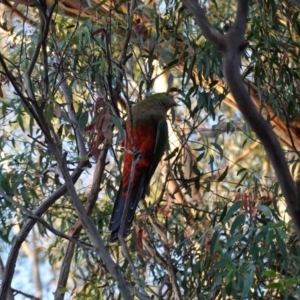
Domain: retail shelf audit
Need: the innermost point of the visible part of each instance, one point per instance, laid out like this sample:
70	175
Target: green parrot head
164	99
152	109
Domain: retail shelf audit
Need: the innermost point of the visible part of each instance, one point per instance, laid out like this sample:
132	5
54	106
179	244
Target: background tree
214	224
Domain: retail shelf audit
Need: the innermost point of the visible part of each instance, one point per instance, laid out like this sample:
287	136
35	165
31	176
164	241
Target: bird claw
137	155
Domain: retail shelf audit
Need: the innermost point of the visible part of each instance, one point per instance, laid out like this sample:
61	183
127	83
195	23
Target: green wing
160	145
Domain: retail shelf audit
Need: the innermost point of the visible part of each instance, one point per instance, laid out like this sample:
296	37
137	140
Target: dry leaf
100	129
140	29
102	32
165	210
189	232
139	244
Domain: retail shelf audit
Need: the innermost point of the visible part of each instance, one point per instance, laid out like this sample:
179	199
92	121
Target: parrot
147	130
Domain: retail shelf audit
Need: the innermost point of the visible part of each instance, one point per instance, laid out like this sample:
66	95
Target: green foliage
213	225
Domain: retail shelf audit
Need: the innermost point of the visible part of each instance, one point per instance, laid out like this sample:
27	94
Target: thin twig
44	29
60	234
16	292
15	203
124	56
67	93
172	275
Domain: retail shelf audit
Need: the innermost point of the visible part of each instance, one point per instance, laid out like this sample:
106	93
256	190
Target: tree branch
9	295
208	31
60	234
231	54
75	230
20	238
88	223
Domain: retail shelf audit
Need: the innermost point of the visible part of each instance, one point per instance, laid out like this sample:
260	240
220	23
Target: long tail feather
138	192
137	195
116	217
